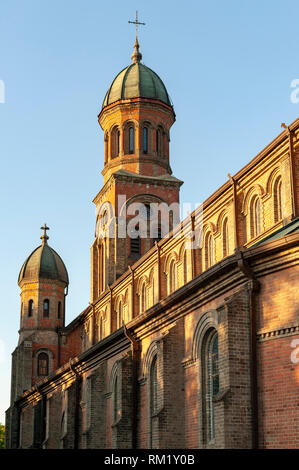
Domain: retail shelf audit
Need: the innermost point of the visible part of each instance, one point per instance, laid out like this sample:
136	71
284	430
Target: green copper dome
44	263
136	81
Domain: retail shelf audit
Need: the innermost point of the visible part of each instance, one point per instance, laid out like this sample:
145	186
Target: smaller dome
44	263
136	81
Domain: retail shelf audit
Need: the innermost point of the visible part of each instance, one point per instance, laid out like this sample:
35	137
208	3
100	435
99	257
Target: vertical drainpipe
253	289
77	405
134	346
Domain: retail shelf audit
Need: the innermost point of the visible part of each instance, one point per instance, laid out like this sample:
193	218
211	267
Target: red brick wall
278	394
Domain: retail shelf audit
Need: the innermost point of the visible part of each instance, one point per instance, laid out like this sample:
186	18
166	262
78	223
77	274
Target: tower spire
136	56
44	236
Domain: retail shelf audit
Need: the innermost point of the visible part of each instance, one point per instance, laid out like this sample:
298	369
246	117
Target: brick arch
209	227
154	349
143	279
256	189
276	173
46	350
143	198
128	122
172	256
209	257
207	321
222	216
51	357
116	368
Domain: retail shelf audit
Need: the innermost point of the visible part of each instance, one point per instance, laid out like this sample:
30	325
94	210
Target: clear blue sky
227	66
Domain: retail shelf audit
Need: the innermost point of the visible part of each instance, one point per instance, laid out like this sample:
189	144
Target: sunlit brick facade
183	345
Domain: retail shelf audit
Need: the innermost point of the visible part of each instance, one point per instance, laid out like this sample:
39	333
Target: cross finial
136	56
136	23
44	236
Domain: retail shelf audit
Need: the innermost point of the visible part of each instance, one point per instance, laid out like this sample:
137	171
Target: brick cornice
284	331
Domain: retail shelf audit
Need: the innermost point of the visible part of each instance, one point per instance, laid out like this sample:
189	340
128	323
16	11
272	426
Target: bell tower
43	280
136	118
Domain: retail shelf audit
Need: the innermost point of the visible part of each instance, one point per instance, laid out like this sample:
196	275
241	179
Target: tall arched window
172	277
131	140
46	308
153	400
43	364
185	265
159	142
225	238
119	313
209	250
277	194
101	328
30	308
118	142
145	140
116	399
255	217
211	383
143	298
115	142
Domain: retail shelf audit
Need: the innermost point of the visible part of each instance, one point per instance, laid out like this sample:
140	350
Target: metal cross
44	236
136	22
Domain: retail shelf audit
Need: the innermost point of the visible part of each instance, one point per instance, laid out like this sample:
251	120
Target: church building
190	338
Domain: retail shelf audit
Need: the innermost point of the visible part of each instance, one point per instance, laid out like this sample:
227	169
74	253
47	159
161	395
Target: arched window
116	396
118	142
153	400
209	250
225	238
131	140
115	142
277	200
30	308
119	318
59	310
185	265
46	308
172	277
143	298
145	140
211	383
255	217
159	142
101	328
43	364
